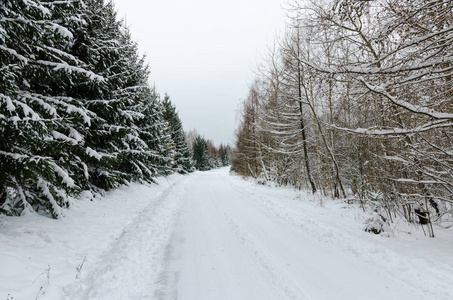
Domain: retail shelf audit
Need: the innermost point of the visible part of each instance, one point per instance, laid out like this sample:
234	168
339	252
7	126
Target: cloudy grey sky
202	53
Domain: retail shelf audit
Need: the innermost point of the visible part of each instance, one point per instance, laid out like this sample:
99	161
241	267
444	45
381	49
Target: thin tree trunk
302	123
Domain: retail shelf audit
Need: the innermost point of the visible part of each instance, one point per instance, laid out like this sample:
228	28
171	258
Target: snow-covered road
210	235
227	246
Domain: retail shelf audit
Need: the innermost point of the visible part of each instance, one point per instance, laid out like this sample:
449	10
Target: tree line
205	154
76	109
355	101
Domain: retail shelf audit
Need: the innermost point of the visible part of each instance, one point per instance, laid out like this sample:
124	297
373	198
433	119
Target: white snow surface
212	235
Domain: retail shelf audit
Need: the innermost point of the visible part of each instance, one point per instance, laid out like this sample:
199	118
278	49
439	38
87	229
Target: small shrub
377	224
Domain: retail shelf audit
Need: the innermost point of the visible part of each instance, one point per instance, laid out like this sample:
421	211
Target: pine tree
76	110
98	43
201	154
38	122
155	131
115	143
183	162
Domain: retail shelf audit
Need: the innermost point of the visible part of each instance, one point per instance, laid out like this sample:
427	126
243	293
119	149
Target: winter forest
76	110
340	176
355	101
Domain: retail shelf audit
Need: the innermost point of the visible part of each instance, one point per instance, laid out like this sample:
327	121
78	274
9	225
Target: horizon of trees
205	154
355	101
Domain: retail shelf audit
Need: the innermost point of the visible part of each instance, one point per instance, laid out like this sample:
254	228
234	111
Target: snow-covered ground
211	235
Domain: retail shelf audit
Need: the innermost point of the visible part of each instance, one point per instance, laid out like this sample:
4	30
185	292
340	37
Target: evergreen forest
76	110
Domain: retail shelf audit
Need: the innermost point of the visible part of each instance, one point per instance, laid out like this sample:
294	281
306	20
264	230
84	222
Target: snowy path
225	246
210	235
214	236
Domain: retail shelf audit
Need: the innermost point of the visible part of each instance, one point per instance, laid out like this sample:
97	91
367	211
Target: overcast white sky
202	53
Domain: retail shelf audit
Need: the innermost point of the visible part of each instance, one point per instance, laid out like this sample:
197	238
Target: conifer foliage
206	155
183	162
201	154
76	110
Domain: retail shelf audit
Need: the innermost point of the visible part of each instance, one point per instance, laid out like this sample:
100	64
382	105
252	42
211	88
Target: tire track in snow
129	269
167	280
273	270
249	263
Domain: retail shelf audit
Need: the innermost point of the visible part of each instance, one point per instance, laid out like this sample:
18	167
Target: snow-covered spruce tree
201	154
155	131
38	122
183	158
98	44
74	105
130	93
117	151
